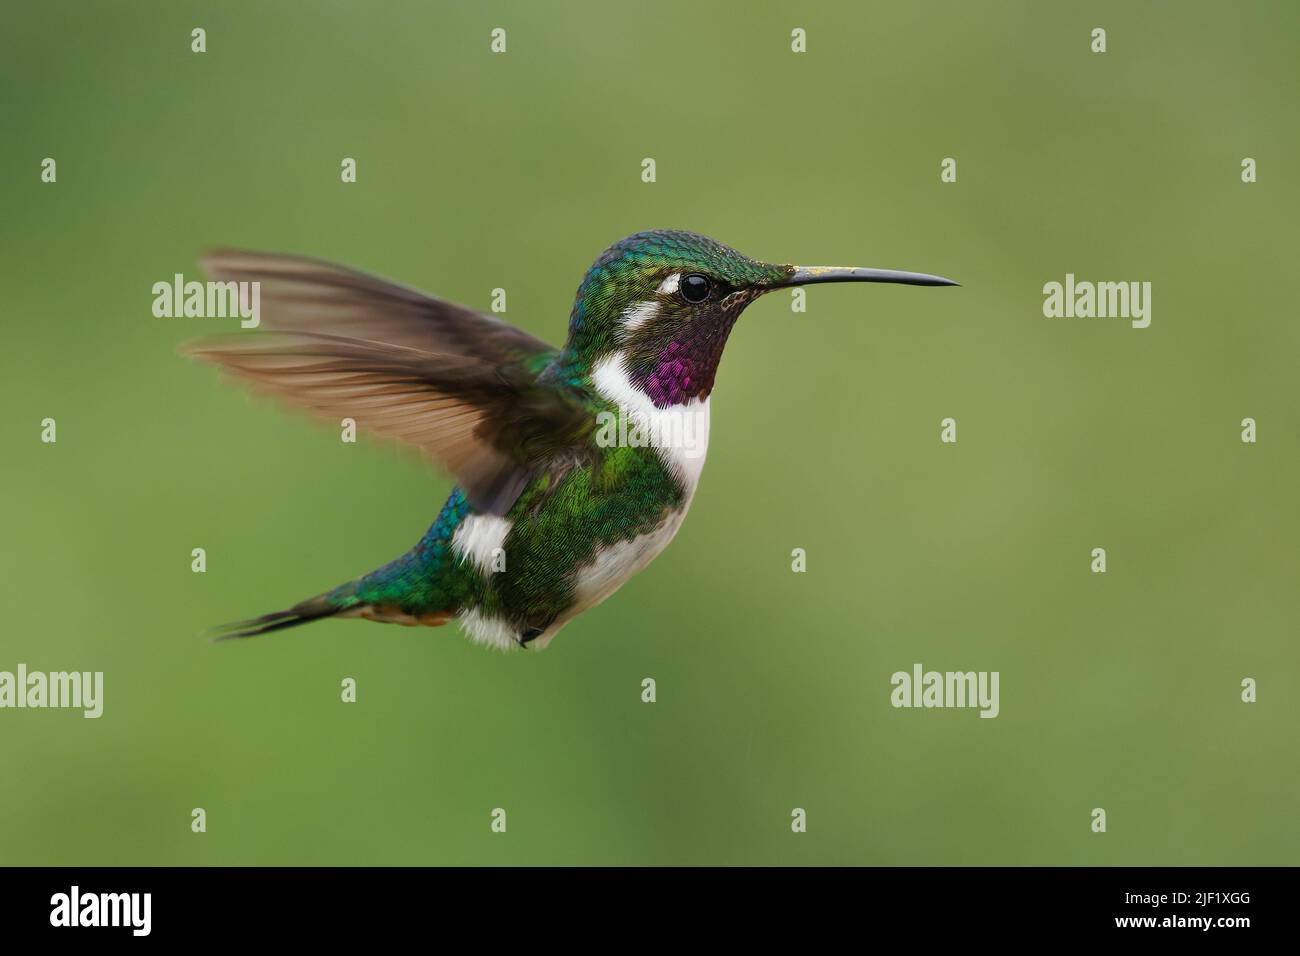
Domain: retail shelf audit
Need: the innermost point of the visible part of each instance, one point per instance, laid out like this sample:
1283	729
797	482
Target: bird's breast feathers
678	436
678	433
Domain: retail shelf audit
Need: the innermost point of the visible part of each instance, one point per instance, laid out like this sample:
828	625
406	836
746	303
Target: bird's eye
695	287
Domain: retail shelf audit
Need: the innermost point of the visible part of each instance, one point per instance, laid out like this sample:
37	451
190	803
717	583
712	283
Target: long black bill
810	275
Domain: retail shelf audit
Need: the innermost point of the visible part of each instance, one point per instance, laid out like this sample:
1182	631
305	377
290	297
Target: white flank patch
612	566
609	570
638	315
478	537
670	284
491	631
689	421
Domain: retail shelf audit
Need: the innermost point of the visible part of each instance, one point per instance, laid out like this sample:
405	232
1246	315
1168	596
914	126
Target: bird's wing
459	385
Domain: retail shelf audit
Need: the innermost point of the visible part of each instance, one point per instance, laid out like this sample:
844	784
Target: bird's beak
810	275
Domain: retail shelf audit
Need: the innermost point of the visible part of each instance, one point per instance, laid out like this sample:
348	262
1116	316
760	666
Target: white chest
679	433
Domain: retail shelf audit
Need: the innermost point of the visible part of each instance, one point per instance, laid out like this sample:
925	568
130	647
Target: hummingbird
574	467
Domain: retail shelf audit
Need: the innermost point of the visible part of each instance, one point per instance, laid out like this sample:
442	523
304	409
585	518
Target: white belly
596	580
612	566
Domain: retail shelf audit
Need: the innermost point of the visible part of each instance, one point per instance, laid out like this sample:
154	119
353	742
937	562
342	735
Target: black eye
695	287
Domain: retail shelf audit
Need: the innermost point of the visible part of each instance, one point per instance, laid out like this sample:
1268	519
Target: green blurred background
476	170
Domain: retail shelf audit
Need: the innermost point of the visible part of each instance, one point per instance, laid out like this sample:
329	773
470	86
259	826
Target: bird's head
656	308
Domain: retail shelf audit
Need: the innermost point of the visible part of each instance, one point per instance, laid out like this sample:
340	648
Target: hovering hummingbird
552	511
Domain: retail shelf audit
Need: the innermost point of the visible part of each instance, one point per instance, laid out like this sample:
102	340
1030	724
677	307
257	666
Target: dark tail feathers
304	612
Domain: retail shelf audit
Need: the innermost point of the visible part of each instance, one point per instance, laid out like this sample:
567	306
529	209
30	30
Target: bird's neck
671	377
667	370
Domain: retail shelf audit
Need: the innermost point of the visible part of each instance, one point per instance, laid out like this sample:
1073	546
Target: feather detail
459	385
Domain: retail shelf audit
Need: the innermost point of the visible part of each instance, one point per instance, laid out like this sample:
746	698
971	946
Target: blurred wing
457	384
